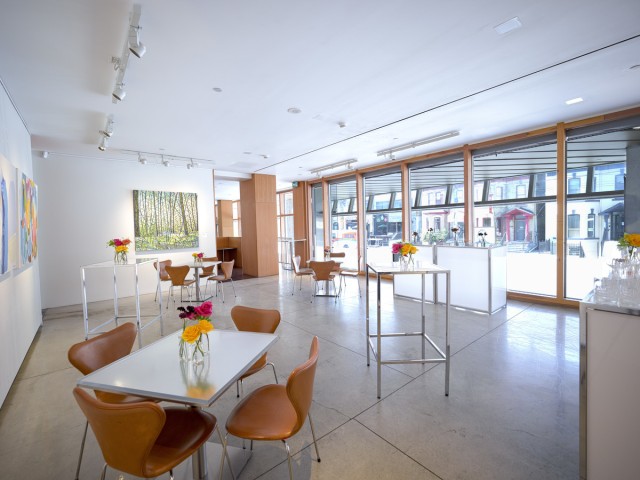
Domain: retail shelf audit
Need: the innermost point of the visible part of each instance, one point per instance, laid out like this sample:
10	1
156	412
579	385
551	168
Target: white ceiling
392	72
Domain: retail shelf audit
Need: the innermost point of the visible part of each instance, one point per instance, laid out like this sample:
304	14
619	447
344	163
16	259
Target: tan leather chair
144	439
337	268
225	276
97	352
164	276
299	272
277	412
206	272
248	319
351	273
323	272
178	277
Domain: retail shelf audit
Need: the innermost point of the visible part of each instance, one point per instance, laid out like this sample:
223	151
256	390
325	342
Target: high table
393	270
133	266
196	267
156	371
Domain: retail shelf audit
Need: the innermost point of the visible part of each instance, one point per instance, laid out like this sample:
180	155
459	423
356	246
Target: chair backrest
227	269
337	255
163	269
178	274
126	433
104	349
296	263
322	270
210	259
300	385
248	319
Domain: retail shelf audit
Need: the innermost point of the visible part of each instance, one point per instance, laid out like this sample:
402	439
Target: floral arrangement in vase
197	257
629	242
196	325
405	250
327	252
483	239
455	231
121	247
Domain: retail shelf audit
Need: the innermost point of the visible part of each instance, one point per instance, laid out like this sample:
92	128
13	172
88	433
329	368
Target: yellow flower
633	239
191	333
205	326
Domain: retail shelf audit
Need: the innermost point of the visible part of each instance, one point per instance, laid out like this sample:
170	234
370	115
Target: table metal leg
138	323
115	295
367	315
423	331
379	340
85	309
447	364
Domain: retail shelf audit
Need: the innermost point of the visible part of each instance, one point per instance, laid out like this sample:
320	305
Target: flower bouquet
196	325
121	247
483	239
405	250
197	257
629	242
455	231
327	252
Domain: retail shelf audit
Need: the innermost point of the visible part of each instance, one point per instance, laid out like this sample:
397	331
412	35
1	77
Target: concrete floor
512	412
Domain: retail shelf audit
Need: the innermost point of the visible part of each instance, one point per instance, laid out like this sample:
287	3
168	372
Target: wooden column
301	210
361	217
406	199
468	195
259	227
562	209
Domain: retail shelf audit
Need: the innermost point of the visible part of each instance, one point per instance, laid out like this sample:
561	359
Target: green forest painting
165	220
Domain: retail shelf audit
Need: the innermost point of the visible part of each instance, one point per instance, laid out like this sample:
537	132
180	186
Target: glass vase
120	257
195	352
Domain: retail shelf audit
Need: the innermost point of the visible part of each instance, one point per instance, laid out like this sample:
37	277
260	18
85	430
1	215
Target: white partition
409	285
478	277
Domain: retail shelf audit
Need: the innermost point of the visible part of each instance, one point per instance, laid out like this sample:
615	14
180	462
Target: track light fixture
133	45
417	143
345	163
142	159
108	128
103	144
165	162
118	93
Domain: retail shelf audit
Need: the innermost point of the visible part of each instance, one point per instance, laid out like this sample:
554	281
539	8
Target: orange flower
633	239
191	333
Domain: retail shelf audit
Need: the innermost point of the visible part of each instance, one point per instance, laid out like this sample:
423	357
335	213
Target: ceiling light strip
417	143
344	163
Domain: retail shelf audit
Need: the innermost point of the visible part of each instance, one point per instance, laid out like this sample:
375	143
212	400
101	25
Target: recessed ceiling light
508	26
294	110
217	89
573	101
636	128
634	67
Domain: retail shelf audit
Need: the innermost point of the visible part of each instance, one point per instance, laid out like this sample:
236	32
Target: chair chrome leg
238	389
104	472
171	474
233	286
225	454
289	459
274	371
313	434
84	438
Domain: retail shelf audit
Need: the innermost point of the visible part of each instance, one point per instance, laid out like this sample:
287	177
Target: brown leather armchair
248	319
144	439
277	412
97	352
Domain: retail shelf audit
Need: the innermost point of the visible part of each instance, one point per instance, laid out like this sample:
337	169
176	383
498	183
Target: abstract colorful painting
28	221
8	216
165	220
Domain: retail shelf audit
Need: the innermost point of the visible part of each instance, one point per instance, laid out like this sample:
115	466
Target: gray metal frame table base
134	265
443	356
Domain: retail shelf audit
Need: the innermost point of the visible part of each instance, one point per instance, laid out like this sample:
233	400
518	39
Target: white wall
20	312
85	202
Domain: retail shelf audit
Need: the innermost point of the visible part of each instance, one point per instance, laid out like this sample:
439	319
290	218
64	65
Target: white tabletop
156	370
205	263
397	269
131	262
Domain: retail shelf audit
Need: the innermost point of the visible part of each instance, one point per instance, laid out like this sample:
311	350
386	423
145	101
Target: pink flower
204	310
117	242
200	255
395	248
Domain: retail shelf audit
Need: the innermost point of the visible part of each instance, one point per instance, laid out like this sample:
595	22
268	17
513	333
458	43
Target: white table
132	266
393	270
196	267
157	372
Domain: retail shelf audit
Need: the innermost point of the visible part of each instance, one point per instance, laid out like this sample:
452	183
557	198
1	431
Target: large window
437	187
596	167
384	215
518	209
317	221
344	221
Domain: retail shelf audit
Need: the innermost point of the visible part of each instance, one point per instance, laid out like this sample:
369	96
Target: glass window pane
397	200
381	201
342	205
381	229
433	196
545	184
457	193
508	188
288	203
478	190
608	178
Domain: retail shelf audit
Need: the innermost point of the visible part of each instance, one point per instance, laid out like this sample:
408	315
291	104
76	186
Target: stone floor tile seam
396	448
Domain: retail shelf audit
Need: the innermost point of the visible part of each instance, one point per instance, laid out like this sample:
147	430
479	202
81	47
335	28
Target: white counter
478	277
